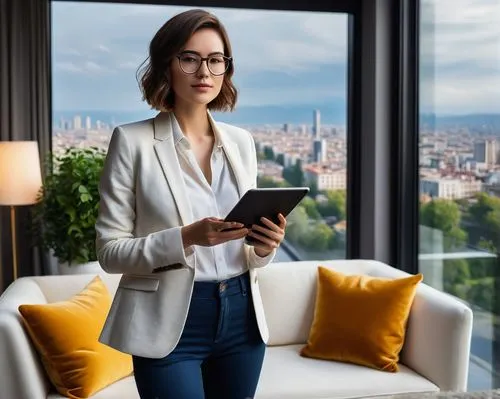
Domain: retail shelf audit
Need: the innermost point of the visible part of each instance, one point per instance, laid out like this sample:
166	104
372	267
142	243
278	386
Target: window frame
406	134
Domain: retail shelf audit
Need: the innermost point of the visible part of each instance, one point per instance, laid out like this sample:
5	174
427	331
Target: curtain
25	113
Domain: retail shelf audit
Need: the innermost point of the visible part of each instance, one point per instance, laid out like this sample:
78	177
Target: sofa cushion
123	389
66	334
288	293
360	319
285	374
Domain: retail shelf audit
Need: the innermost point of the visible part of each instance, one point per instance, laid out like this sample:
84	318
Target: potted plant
67	208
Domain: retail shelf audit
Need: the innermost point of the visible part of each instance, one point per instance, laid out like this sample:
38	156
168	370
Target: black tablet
267	202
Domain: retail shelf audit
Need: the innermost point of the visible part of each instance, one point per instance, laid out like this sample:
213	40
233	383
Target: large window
460	166
291	72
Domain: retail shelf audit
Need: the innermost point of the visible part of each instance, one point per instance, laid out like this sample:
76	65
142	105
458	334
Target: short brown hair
153	76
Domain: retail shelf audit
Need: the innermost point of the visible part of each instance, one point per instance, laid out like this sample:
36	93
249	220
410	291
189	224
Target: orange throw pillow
360	319
66	334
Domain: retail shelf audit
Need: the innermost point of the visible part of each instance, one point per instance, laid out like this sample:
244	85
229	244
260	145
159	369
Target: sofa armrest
22	375
438	339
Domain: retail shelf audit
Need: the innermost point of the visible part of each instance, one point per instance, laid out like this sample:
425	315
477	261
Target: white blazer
142	202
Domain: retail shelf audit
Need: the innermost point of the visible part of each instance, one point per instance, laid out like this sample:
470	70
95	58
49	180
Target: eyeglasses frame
229	60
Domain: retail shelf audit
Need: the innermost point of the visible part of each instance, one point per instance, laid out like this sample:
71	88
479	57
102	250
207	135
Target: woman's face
201	86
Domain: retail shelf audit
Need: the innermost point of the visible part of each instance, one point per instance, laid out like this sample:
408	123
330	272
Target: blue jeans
219	354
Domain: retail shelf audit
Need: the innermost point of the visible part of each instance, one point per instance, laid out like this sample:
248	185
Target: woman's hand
208	232
268	238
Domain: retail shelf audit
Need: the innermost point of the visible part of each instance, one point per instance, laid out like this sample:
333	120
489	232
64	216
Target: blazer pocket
139	283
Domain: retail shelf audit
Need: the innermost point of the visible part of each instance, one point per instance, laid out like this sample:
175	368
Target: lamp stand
14	243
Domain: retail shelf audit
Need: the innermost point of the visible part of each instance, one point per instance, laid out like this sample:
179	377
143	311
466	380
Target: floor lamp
20	182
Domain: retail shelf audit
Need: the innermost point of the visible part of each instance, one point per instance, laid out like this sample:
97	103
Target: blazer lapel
233	155
167	156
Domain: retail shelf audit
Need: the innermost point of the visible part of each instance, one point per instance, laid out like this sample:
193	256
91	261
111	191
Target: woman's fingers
227	231
269	235
273	226
282	220
269	242
267	232
221	225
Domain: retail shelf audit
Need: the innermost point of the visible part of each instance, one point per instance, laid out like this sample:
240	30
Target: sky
281	58
460	56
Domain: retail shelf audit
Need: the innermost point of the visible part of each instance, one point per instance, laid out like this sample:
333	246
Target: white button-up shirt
219	262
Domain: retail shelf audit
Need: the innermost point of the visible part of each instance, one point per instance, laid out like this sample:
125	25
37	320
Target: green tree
483	205
444	215
456	276
313	189
317	238
335	241
294	174
280	158
297	224
335	204
311	208
267	182
483	267
492	224
482	293
484	213
269	153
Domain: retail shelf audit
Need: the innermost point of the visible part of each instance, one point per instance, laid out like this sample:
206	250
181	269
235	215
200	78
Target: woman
188	306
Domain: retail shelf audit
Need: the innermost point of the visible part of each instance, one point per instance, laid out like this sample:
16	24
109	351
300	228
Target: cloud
286	41
127	65
446	94
294	96
460	56
103	48
69	51
93	67
468	31
68	67
84	68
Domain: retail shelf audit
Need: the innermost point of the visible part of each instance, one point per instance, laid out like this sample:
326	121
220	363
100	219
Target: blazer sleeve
118	250
254	260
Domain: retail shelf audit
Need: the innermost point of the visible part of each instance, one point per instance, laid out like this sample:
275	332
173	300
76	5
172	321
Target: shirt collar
177	132
180	138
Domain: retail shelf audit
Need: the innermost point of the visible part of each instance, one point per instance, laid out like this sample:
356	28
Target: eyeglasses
217	64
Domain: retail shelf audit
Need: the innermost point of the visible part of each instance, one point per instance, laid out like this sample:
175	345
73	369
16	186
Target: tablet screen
266	202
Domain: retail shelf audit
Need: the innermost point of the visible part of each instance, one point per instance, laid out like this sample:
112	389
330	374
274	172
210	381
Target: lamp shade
20	174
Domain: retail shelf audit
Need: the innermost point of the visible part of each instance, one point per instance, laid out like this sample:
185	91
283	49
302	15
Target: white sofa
435	355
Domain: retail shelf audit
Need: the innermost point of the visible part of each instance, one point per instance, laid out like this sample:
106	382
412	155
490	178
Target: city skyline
292	115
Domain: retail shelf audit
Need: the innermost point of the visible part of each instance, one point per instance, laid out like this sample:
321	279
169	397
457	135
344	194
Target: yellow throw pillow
360	319
66	334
